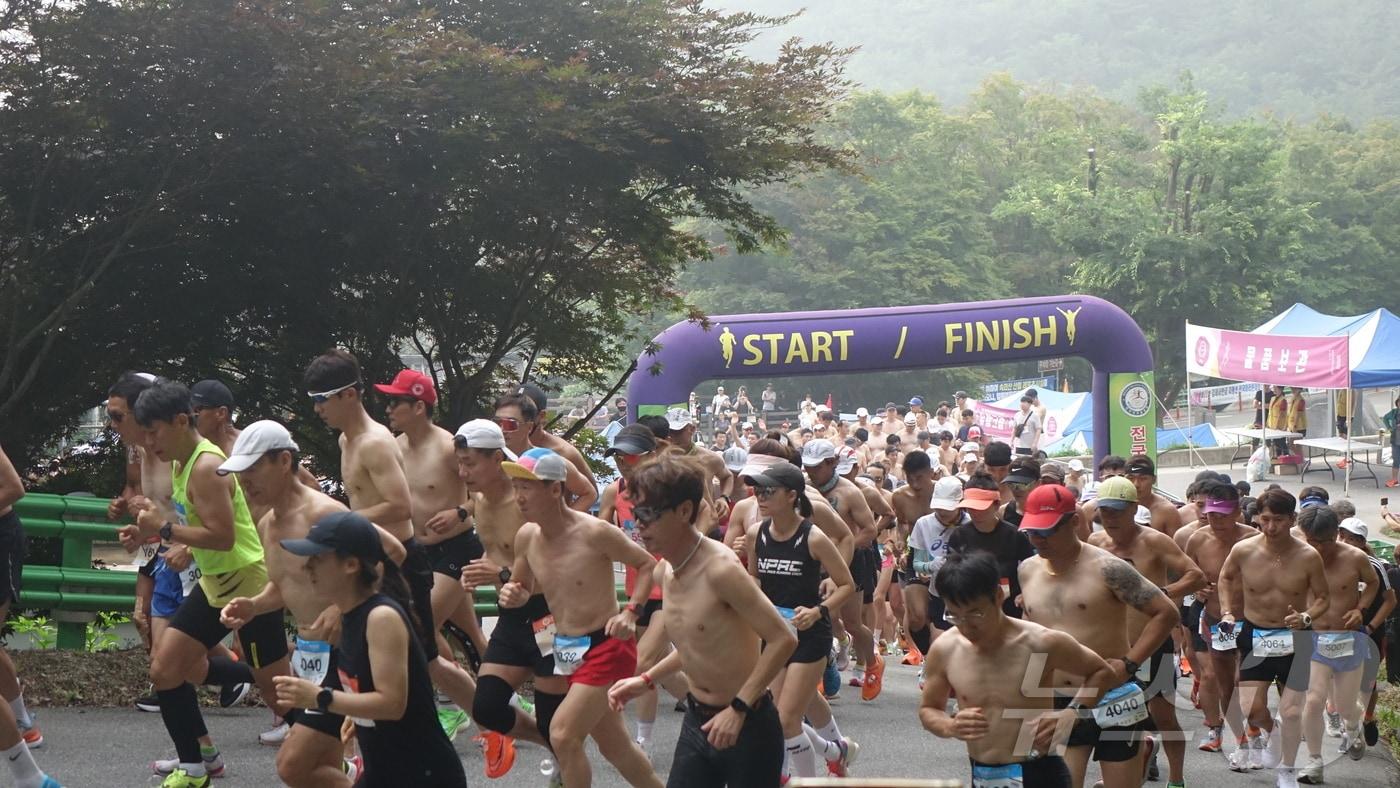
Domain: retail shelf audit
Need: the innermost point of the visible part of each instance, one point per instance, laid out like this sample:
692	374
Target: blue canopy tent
1374	340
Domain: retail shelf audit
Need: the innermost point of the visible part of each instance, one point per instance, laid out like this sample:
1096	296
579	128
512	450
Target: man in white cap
820	461
512	656
683	437
1075	477
969	459
1129	535
909	436
863	417
265	459
928	545
590	639
1353	531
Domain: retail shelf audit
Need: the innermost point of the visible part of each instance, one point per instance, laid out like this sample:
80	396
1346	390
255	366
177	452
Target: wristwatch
504	575
167	531
633	608
462	514
324	698
1307	620
1131	667
740	706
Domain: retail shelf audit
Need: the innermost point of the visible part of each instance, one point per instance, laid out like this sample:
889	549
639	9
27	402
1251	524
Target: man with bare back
1086	592
1142	472
568	557
730	640
545	439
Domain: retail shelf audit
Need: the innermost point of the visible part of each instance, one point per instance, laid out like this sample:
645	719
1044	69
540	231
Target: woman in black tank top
382	666
788	556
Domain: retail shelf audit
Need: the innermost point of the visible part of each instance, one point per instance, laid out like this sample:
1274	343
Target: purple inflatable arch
916	337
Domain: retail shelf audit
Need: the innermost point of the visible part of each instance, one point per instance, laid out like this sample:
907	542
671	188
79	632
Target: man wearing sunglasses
1142	472
441	525
633	446
1156	557
1086	592
518	417
731	735
1022	476
545	439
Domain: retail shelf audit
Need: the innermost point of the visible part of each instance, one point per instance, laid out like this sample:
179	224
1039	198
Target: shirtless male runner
716	617
568	557
1004	673
1208	547
819	460
518	419
1142	472
545	439
1284	589
720	484
512	654
441	520
372	468
1157	558
1086	592
265	459
1340	647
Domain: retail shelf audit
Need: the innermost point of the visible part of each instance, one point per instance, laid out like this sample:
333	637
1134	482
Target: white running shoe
1238	759
1310	774
1257	747
843	655
1286	778
1355	745
274	737
1273	754
1334	724
213	765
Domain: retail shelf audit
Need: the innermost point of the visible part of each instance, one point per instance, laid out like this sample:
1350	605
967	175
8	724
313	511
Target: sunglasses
646	515
394	402
1018	486
507	424
1046	533
628	459
764	493
320	397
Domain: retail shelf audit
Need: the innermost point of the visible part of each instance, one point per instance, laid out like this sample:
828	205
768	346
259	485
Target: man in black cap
213	413
1023	475
1142	472
996	457
545	439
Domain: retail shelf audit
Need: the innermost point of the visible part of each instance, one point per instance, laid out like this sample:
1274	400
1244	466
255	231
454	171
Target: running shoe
181	779
49	782
874	680
1334	724
31	734
831	681
1257	748
1154	772
1355	745
1238	759
1211	741
524	704
148	702
232	694
1310	774
1373	733
354	767
213	765
500	754
1392	483
1273	754
1287	778
843	654
275	736
849	751
452	721
680	704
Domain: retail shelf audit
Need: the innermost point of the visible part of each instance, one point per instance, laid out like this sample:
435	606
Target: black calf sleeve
922	639
491	708
545	706
179	708
224	671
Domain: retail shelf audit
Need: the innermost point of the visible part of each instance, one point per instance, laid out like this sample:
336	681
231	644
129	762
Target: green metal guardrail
76	586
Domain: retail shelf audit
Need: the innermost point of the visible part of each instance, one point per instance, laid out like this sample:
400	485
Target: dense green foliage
1299	58
1182	214
210	188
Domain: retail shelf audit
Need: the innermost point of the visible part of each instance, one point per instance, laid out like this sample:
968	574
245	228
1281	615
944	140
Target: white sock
23	767
826	749
21	713
515	701
193	769
829	731
800	756
644	730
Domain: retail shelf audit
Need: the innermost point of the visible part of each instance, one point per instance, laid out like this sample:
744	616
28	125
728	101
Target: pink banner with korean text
996	423
1316	362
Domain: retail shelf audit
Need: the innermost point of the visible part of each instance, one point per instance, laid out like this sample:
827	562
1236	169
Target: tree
202	188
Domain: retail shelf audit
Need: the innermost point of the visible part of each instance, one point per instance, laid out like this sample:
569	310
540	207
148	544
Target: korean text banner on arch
1317	362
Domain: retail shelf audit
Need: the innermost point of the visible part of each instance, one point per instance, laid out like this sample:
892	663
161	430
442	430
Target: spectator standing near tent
1297	420
1392	420
1278	416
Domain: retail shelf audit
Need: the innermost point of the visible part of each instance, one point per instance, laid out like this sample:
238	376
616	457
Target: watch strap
739	705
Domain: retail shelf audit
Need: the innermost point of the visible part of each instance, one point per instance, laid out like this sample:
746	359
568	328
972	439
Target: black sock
922	639
179	709
224	672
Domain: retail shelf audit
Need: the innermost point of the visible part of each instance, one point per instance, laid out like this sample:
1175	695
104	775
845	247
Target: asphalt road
111	747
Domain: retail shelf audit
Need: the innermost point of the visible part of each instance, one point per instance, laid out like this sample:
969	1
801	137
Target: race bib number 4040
1009	776
1122	707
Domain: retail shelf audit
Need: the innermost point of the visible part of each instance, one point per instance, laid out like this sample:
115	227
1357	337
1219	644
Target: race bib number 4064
1272	643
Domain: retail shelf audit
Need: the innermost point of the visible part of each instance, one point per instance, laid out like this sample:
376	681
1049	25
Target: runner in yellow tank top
212	519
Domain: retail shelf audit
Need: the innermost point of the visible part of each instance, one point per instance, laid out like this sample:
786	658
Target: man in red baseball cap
1086	592
442	527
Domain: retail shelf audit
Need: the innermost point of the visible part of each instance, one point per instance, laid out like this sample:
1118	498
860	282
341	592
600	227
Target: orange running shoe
1185	664
874	679
32	737
500	754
